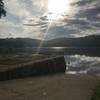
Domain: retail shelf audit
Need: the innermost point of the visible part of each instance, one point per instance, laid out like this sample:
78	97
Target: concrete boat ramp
44	86
50	87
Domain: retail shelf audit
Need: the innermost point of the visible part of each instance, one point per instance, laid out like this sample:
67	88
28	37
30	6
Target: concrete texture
51	87
43	67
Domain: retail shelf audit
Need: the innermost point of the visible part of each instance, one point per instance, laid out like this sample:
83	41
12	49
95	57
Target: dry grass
19	59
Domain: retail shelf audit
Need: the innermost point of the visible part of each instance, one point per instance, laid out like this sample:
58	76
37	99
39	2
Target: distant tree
2	10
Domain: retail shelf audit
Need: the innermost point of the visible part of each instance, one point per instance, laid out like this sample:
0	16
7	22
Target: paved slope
54	87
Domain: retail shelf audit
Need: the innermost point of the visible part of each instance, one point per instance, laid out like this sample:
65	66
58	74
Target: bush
96	95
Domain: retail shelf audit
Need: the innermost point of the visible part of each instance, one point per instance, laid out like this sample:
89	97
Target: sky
48	19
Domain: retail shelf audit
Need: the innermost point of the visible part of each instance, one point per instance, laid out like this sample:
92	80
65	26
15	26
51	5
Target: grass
20	59
96	95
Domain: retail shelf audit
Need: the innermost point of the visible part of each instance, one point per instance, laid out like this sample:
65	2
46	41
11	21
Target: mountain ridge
88	41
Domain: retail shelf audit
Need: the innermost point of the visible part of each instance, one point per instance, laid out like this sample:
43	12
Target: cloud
86	21
8	29
89	9
82	2
29	18
91	14
16	9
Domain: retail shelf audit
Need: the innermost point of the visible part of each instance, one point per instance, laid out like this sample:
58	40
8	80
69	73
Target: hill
88	41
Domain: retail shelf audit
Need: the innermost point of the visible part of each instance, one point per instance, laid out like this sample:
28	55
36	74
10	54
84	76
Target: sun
58	7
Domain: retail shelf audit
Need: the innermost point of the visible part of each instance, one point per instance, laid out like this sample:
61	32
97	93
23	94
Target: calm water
78	60
82	64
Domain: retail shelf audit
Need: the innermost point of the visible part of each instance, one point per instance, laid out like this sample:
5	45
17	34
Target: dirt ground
52	87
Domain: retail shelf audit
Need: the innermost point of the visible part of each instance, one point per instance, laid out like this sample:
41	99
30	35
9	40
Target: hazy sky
50	18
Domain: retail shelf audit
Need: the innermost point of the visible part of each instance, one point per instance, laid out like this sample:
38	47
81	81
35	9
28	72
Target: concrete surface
51	87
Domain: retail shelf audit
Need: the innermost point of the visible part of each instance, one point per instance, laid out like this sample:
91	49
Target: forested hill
88	41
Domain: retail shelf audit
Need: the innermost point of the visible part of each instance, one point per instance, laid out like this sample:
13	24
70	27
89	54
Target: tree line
2	9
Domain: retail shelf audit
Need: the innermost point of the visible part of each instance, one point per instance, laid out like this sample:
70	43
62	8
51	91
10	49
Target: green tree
2	10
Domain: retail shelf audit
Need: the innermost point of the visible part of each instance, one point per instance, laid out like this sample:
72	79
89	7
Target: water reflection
83	64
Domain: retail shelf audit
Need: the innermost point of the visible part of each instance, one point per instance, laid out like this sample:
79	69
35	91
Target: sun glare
58	7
